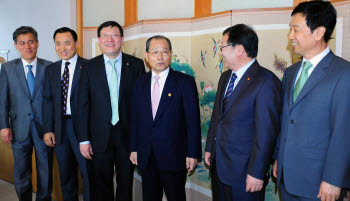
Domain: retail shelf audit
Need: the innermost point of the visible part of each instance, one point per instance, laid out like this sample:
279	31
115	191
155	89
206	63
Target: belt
67	116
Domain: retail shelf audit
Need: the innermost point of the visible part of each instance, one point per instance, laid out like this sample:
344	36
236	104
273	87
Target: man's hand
49	139
253	184
274	169
6	135
328	192
191	163
133	157
207	158
86	150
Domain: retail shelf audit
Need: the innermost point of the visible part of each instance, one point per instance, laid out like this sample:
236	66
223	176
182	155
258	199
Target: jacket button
28	114
292	121
220	121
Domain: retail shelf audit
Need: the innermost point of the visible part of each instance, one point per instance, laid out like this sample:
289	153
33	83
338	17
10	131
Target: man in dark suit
312	152
104	94
165	135
60	114
245	120
21	86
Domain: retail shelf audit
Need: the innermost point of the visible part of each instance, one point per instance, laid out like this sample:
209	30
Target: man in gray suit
21	83
312	153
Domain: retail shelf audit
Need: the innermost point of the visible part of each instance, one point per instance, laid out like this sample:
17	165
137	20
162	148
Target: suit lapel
125	77
147	94
169	90
100	74
76	75
57	77
39	76
290	83
247	78
222	89
22	77
316	76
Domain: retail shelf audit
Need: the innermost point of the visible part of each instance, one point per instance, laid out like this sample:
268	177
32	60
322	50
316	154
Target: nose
291	35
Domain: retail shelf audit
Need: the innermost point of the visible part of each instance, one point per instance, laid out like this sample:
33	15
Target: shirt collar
240	72
25	63
162	74
316	59
106	59
72	60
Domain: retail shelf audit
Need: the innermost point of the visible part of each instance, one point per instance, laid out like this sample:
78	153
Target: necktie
155	96
64	87
113	92
302	79
229	90
30	79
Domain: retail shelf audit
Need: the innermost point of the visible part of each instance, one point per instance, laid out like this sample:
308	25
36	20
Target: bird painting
216	46
203	57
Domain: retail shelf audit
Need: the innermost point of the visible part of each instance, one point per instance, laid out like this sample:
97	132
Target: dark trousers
116	155
154	181
224	192
22	153
68	157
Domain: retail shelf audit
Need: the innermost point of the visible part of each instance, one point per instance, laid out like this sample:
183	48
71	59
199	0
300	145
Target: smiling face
228	53
65	46
305	42
159	55
110	41
27	46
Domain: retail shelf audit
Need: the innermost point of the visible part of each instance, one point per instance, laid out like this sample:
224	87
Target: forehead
63	36
159	43
110	29
25	37
298	19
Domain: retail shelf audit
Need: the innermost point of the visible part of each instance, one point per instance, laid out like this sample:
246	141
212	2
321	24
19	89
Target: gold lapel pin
80	66
248	78
169	94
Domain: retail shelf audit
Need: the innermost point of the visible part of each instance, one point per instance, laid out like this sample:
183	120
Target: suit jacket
174	134
16	103
52	98
94	103
314	142
242	136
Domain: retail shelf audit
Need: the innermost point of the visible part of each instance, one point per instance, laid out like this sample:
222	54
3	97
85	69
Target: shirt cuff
85	142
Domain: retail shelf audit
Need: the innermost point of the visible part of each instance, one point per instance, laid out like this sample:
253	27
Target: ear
146	56
239	50
319	33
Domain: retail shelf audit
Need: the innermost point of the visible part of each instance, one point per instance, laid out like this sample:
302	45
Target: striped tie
229	89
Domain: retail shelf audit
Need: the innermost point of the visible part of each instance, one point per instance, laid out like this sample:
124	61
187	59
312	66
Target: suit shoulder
44	62
130	57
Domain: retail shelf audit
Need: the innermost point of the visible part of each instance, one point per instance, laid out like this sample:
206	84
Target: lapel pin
169	94
127	63
81	67
248	78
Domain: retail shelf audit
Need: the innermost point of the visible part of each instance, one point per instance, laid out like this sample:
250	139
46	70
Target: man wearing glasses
245	120
165	139
105	86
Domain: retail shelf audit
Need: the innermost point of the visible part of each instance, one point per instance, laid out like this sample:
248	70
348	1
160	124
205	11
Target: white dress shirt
25	63
314	61
239	74
163	75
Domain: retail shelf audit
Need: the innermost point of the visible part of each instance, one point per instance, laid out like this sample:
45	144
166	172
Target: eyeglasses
106	36
156	52
221	47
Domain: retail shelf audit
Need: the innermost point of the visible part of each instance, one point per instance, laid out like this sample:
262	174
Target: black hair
109	24
317	14
242	34
64	30
157	37
24	30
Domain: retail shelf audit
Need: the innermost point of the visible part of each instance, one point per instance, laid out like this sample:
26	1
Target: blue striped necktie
30	79
229	90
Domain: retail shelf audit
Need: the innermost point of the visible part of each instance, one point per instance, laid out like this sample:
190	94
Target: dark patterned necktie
229	90
64	87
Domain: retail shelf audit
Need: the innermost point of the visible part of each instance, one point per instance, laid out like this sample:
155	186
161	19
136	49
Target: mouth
112	45
64	53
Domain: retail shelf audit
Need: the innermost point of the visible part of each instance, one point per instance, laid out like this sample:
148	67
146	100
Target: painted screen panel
164	9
